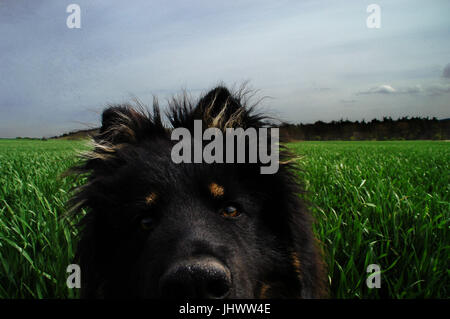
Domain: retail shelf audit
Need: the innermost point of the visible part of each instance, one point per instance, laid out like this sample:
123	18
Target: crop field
384	203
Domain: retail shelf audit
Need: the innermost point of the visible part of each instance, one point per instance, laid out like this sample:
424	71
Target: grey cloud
411	90
324	89
53	76
446	72
438	89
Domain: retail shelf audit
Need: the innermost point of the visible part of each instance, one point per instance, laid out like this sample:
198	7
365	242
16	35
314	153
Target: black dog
156	229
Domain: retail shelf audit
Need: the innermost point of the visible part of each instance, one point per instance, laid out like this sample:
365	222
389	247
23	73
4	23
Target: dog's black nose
196	278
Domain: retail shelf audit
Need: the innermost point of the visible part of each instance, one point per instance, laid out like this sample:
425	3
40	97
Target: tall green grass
375	202
36	244
384	203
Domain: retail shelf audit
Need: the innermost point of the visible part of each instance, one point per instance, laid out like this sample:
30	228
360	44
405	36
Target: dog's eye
230	212
146	223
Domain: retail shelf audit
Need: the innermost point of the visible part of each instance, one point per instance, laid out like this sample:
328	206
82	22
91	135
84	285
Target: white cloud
432	89
381	89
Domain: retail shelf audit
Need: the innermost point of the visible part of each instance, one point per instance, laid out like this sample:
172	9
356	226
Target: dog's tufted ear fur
125	123
218	108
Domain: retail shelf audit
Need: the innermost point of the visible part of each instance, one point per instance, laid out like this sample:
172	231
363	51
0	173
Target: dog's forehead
159	171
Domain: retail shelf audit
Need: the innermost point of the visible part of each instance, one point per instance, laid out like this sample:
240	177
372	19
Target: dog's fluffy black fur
155	229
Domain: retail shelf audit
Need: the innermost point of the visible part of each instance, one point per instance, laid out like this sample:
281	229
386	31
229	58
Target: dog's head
156	228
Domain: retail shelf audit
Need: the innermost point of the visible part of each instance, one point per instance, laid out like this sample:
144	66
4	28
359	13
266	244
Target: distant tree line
404	128
77	134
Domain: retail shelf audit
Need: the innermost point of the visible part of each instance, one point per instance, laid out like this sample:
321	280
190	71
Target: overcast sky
317	60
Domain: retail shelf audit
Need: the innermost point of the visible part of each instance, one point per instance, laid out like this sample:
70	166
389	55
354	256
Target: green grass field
383	203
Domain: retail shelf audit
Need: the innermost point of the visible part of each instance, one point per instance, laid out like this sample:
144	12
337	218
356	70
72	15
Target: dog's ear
129	124
218	108
222	109
111	116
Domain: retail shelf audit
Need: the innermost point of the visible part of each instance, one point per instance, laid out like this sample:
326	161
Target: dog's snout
198	278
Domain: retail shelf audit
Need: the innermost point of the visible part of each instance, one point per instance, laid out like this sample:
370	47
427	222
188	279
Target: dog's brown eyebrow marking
216	190
296	263
150	198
